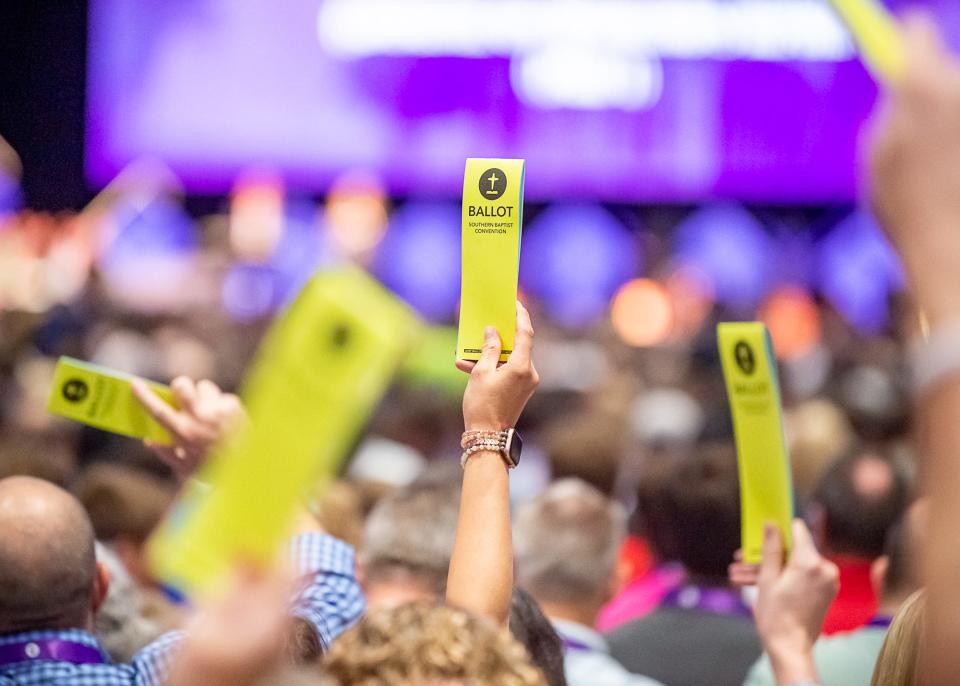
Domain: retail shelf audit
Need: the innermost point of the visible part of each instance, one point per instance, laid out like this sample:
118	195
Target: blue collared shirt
331	602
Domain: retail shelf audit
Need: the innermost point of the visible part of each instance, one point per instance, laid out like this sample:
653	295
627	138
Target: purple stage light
574	257
419	258
729	247
859	272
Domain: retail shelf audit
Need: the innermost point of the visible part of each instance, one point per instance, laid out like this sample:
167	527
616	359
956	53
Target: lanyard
50	649
880	622
719	601
571	644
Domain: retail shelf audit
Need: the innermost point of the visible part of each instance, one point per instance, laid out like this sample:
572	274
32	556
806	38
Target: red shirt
856	602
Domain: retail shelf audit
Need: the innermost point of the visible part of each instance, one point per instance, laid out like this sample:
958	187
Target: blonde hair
899	661
423	643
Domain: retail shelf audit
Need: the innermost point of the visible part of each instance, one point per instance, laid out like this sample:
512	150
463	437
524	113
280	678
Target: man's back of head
856	501
407	542
702	513
48	567
567	541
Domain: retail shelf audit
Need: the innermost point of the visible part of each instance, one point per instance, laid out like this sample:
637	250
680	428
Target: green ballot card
318	375
103	398
766	493
875	31
491	226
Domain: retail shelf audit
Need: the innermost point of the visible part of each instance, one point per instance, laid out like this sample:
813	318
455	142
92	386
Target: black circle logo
745	358
74	390
493	183
340	336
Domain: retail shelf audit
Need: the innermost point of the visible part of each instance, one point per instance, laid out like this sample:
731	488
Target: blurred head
431	645
899	659
895	573
120	624
531	627
125	504
648	520
407	542
702	514
49	577
566	545
856	502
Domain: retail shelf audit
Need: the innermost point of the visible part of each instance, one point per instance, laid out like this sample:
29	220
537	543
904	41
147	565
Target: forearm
939	428
481	567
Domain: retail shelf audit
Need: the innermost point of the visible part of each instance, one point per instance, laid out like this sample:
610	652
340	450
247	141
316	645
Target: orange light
692	298
356	213
793	320
642	313
256	215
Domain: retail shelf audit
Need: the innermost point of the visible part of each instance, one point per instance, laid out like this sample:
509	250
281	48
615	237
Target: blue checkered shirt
332	602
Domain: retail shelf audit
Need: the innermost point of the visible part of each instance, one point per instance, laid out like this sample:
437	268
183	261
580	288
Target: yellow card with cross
766	492
492	219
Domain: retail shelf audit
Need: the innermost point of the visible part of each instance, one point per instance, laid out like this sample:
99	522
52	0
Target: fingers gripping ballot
204	416
497	392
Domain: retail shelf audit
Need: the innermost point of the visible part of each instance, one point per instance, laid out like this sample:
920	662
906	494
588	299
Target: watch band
492	441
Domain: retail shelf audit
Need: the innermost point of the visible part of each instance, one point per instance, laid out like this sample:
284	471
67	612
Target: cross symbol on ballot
493	178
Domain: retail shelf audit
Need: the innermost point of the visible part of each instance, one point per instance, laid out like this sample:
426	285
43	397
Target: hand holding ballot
203	416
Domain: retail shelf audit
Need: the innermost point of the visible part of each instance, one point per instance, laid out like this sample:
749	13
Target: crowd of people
588	570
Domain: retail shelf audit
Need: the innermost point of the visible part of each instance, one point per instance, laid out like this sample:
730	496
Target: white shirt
587	661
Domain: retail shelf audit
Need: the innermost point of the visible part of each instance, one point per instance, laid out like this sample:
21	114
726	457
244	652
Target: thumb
772	561
491	350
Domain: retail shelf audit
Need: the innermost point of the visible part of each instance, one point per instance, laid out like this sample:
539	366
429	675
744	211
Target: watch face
515	447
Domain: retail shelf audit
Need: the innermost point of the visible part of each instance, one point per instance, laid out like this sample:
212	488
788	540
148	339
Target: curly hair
423	643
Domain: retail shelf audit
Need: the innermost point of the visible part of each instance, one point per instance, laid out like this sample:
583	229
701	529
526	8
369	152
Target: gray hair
120	624
567	542
412	530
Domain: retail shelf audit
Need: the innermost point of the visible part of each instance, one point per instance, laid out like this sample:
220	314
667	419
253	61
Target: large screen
621	100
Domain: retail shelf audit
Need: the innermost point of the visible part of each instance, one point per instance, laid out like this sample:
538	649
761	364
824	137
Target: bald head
47	562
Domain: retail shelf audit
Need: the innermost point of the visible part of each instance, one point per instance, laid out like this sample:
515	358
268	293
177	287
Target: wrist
792	661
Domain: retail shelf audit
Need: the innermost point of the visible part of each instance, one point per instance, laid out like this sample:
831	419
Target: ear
623	571
817	521
878	574
359	570
101	584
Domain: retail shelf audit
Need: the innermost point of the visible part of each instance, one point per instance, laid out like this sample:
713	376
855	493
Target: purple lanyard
880	622
719	601
570	644
50	649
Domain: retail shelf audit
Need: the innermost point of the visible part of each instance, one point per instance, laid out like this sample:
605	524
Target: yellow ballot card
875	31
322	368
766	493
491	226
103	398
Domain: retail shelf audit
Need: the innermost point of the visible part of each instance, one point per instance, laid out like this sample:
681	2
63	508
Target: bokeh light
574	257
859	272
419	258
793	319
642	313
356	213
256	215
730	248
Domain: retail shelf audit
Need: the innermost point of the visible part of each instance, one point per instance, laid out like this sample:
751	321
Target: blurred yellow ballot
766	493
491	227
875	31
321	370
103	398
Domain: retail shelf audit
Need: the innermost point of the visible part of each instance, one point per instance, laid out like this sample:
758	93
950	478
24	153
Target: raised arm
916	192
481	567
